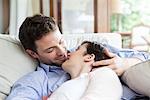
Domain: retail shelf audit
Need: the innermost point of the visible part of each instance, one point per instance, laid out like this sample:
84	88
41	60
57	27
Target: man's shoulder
32	85
32	77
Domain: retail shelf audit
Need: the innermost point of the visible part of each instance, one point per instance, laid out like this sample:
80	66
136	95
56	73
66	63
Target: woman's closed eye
77	48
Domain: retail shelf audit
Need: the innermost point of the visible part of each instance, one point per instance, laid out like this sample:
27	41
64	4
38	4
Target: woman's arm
122	60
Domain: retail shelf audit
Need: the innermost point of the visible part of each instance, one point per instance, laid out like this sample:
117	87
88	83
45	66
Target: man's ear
89	57
32	53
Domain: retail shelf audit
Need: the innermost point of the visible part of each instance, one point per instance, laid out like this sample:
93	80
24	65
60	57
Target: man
43	41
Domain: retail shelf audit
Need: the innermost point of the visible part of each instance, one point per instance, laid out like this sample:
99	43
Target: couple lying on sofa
101	83
43	41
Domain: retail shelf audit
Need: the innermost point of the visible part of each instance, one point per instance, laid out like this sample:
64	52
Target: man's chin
54	63
62	61
59	63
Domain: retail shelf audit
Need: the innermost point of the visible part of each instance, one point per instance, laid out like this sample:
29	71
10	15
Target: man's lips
62	58
67	58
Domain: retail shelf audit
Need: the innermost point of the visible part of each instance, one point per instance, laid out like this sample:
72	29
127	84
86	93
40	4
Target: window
4	16
81	16
129	14
77	16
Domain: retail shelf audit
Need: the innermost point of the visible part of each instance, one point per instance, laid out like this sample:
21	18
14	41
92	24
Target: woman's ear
32	53
89	57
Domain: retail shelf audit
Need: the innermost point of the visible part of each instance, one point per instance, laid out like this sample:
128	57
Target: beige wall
6	15
1	16
103	15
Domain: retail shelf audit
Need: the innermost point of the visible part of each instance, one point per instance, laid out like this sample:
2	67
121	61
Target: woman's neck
77	72
86	69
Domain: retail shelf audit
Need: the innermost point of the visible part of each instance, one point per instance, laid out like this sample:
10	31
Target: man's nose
61	50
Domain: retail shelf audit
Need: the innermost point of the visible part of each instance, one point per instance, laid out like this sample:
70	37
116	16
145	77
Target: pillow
138	78
14	63
74	40
2	96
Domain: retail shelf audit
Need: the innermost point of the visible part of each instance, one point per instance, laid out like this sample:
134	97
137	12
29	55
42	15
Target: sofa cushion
138	78
2	96
14	62
113	39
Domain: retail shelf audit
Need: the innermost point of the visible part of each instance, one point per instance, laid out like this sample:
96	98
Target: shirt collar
49	68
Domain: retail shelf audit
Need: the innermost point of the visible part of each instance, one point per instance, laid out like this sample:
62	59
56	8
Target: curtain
46	7
19	10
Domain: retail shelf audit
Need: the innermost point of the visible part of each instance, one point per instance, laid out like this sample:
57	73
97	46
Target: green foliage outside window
134	12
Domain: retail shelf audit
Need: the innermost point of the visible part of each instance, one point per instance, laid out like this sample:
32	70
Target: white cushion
2	96
14	62
113	39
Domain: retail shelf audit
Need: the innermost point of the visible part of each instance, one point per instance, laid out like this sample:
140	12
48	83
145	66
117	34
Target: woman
98	84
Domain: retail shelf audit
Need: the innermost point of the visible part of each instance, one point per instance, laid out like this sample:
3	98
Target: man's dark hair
97	49
34	28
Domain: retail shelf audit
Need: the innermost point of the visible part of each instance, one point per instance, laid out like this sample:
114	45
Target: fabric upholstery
138	78
14	62
114	39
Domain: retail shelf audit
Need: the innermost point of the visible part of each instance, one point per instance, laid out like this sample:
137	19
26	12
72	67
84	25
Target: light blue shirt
48	78
37	84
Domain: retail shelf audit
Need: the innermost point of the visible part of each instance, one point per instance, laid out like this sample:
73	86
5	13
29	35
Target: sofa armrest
14	63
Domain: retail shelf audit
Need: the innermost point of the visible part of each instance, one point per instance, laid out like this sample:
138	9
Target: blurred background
130	18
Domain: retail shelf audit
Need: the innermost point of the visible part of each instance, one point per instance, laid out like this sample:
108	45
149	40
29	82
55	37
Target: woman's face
75	59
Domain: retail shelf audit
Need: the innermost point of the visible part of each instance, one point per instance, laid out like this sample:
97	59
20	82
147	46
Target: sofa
14	62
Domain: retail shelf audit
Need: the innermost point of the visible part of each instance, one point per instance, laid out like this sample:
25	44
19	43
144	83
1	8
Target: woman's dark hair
97	49
34	28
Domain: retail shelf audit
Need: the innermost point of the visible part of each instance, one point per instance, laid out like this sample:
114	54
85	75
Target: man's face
51	48
75	59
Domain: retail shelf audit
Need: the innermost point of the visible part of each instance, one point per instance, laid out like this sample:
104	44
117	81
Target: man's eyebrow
53	46
61	39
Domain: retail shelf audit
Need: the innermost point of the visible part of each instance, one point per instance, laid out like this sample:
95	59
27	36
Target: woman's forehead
83	46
